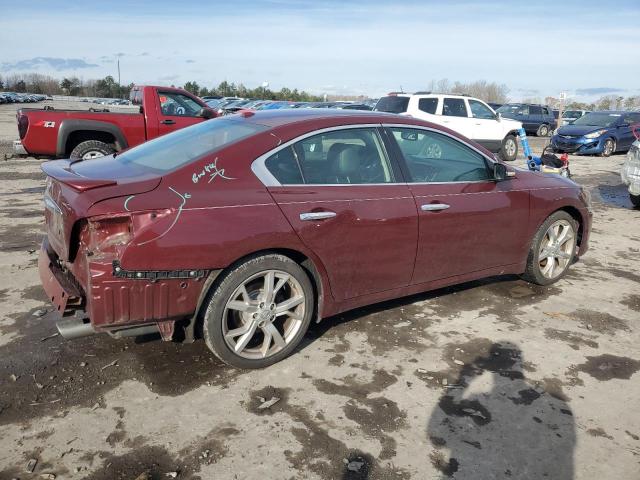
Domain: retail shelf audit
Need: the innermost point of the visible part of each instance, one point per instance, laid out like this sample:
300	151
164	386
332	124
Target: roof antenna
401	89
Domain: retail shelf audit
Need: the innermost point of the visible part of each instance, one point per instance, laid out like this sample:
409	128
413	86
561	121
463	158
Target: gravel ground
491	379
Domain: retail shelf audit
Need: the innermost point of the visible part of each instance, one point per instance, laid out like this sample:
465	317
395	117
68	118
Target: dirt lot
492	379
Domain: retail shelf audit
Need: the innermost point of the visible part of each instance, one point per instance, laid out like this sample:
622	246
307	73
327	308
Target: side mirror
498	116
206	113
500	172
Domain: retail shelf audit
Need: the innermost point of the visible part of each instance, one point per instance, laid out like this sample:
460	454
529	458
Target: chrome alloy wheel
556	249
510	147
91	154
263	314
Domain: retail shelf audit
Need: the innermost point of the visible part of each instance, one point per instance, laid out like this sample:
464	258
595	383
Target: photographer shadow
494	423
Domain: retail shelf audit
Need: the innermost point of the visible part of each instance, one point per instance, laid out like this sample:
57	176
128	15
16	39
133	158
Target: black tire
218	298
505	148
635	200
88	147
543	131
609	147
533	273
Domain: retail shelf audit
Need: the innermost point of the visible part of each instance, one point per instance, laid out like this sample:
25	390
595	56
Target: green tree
192	87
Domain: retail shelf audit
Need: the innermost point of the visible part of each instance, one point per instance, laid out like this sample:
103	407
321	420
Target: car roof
329	117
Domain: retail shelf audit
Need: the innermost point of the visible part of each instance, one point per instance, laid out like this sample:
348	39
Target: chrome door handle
432	207
310	216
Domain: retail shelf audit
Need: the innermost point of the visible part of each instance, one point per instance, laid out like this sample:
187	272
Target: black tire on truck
91	149
509	149
635	200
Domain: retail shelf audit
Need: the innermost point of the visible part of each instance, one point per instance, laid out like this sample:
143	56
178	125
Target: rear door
339	192
467	221
176	111
456	117
535	117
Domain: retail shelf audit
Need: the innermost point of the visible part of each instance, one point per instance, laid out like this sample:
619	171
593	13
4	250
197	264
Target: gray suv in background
538	119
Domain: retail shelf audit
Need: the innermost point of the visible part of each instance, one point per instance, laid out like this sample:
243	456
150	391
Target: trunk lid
72	190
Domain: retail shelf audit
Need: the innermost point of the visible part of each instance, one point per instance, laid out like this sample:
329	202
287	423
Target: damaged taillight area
105	234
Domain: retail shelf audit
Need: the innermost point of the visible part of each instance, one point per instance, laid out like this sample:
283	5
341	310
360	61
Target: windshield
598	119
392	104
178	148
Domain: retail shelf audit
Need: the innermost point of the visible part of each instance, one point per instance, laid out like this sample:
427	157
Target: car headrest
344	159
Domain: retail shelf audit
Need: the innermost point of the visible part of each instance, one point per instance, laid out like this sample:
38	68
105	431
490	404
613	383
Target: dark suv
538	119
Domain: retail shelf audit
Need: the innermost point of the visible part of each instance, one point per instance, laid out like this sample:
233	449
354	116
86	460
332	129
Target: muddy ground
491	379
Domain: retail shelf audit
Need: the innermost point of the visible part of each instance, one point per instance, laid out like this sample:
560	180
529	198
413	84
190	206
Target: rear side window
186	145
392	104
284	166
428	105
454	107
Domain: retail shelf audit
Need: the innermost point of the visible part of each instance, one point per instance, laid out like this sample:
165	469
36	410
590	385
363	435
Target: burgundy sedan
247	227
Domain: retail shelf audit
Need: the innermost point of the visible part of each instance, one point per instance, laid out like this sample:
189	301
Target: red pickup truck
86	134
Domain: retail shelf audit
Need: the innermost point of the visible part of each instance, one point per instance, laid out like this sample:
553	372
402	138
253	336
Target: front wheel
543	131
259	312
552	249
509	149
635	200
609	147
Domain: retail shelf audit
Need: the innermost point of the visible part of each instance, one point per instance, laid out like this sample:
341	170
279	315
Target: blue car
597	133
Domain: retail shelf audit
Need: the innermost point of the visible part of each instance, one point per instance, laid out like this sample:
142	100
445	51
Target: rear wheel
509	149
91	149
259	312
608	147
543	131
635	200
552	249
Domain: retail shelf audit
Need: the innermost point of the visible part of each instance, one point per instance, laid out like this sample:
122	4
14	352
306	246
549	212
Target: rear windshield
178	148
392	104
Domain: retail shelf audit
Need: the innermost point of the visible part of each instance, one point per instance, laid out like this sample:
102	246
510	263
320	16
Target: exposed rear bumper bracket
153	275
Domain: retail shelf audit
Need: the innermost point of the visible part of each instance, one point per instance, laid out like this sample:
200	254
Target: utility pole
119	89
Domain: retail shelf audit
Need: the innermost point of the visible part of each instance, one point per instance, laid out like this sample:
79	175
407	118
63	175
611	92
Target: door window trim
260	170
395	158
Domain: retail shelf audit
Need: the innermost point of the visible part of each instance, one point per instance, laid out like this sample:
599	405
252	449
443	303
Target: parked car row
13	97
227	105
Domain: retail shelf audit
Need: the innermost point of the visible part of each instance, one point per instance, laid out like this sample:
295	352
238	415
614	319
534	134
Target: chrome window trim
260	170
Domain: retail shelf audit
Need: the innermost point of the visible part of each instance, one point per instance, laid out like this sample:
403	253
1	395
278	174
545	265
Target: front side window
428	105
454	107
480	110
176	104
533	110
436	158
340	157
632	118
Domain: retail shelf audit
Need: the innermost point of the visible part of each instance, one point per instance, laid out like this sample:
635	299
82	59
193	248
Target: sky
586	48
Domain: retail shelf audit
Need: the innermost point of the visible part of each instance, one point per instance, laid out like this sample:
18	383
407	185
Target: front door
467	221
176	111
340	194
487	131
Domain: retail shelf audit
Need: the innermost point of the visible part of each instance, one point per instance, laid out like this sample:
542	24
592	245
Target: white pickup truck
631	173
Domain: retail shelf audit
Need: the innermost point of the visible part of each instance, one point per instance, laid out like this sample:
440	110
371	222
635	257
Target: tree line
108	87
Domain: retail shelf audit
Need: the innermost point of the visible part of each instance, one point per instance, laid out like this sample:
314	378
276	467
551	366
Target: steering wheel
431	150
180	111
